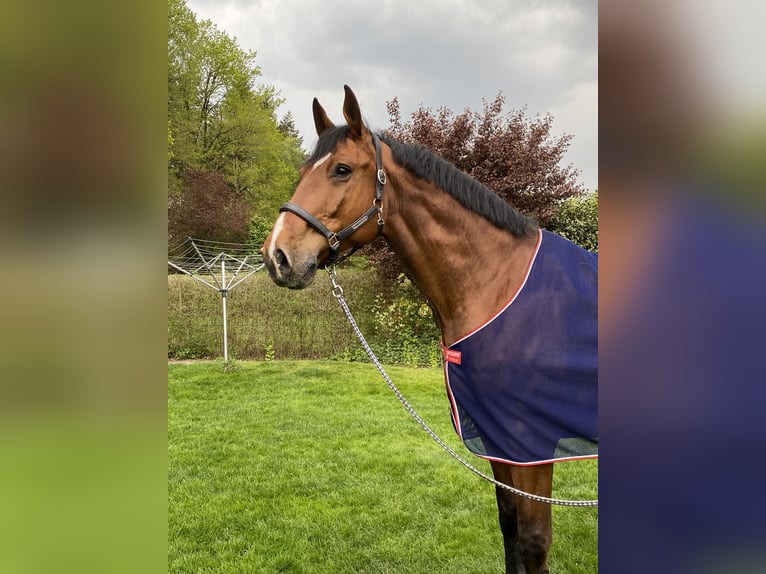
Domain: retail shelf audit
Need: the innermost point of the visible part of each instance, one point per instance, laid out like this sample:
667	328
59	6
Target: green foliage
171	141
258	230
287	127
316	467
192	349
269	354
577	220
230	366
406	327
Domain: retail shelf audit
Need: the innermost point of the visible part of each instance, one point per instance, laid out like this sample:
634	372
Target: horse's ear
321	121
352	113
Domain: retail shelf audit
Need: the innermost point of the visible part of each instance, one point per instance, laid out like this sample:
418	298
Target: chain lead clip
337	290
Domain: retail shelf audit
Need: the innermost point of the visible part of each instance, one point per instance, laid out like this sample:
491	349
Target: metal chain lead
337	292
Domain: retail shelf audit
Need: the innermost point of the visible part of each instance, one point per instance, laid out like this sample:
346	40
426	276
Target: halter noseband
334	239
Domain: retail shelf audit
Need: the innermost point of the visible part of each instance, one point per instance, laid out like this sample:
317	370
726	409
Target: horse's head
338	202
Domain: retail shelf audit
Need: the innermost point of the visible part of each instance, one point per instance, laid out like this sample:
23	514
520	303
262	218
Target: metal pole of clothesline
223	299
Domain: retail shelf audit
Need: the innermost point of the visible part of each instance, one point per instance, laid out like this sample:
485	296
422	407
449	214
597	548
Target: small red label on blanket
454	357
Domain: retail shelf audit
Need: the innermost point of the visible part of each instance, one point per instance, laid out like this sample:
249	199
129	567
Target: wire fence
265	321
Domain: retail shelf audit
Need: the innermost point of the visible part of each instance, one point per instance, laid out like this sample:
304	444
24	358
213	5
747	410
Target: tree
287	128
515	156
210	78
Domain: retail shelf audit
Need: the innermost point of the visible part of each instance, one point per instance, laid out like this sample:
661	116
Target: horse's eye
341	171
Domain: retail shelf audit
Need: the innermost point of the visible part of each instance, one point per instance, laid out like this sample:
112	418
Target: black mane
426	165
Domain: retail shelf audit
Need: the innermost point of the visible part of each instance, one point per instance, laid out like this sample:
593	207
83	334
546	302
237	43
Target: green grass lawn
315	467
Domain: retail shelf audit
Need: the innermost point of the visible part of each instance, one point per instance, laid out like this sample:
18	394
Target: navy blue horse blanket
523	386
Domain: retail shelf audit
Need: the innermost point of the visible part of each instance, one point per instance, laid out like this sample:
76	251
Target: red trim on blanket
452	403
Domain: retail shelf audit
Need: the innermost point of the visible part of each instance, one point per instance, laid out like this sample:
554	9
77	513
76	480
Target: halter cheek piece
334	239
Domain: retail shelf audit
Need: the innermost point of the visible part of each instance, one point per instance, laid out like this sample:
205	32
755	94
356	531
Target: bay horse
471	254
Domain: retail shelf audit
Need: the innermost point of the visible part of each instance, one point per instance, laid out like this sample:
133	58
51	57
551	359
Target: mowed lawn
315	467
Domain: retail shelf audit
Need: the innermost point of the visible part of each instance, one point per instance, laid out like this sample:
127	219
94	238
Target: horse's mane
425	164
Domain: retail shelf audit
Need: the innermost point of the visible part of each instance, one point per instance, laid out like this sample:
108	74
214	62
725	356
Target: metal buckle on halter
333	241
381	176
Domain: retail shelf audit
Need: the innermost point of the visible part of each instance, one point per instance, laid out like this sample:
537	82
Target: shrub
577	220
405	326
258	230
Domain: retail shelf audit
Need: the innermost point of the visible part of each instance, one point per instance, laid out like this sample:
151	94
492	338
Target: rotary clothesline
219	265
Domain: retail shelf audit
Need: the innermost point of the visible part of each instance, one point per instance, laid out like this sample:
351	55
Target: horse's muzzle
290	273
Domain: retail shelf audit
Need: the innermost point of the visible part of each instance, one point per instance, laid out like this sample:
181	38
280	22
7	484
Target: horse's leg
506	507
535	532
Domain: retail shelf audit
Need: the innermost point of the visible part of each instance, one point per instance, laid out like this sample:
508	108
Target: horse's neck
467	267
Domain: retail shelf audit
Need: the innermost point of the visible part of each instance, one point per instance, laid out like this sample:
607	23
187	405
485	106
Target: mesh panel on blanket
524	386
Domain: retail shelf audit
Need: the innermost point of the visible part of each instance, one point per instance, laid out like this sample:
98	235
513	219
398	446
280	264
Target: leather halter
334	238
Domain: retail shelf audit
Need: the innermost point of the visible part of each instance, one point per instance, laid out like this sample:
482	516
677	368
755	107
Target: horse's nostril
282	261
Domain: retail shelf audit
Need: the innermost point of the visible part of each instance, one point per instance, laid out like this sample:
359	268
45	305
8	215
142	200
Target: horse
471	253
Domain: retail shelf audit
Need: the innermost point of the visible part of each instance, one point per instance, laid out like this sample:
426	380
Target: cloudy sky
541	54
